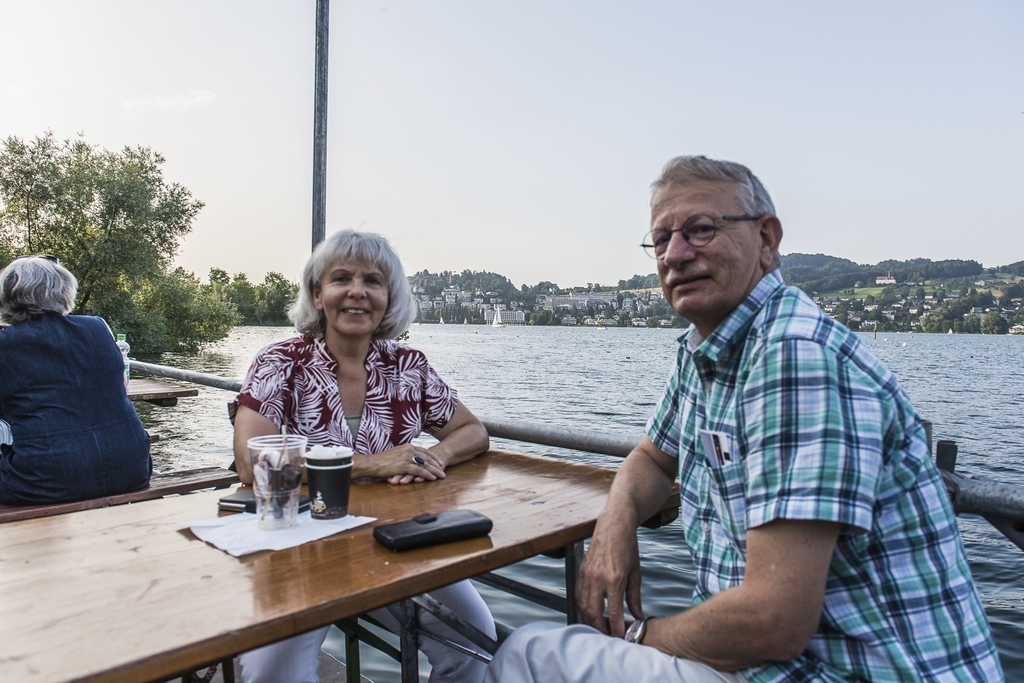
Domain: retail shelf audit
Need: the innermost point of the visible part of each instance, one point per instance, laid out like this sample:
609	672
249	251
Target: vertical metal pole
573	559
352	667
320	124
409	639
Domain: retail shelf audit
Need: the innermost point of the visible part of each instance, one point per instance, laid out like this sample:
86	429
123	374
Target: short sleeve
812	438
439	400
265	386
663	428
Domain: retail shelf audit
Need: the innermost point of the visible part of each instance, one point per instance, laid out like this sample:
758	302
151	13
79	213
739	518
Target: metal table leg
573	558
406	611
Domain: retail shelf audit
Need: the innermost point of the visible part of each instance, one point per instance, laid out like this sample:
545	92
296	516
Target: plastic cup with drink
277	462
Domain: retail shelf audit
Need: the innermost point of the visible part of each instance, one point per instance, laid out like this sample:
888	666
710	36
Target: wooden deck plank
160	485
158	393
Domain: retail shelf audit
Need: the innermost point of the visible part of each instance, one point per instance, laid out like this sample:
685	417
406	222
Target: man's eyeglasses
49	257
698	231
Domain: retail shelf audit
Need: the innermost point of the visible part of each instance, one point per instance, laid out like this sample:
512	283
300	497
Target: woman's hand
249	423
461	439
405	464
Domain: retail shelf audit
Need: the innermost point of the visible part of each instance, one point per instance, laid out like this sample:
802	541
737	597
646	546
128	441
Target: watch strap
636	631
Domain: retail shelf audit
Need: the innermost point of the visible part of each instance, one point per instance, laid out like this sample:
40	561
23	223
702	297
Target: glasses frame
686	230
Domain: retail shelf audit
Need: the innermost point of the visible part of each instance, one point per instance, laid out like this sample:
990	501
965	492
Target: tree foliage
821	273
116	224
262	304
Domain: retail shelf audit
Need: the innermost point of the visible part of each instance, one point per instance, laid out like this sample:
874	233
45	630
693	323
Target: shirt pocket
728	496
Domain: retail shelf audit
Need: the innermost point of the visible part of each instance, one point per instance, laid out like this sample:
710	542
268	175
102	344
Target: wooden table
158	393
127	594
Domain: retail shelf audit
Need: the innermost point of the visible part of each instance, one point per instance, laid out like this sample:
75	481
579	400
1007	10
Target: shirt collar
729	330
373	357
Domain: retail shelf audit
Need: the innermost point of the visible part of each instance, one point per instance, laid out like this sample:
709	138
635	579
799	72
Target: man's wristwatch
636	631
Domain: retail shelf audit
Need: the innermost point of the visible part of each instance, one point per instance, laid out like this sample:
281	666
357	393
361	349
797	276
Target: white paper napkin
240	534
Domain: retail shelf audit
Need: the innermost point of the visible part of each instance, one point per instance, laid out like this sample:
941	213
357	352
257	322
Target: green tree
186	314
276	294
113	221
243	295
993	323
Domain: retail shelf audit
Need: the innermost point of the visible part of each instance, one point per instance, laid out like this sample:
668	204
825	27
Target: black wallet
244	500
432	529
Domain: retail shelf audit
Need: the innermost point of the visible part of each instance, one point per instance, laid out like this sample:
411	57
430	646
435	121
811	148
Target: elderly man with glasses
824	545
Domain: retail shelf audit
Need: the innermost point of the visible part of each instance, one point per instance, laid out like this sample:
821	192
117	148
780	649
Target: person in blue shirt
67	428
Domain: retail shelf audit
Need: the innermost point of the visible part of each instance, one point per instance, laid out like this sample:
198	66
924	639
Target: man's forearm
610	574
728	632
772	615
641	486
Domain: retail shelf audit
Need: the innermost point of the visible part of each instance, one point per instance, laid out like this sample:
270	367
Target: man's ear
770	231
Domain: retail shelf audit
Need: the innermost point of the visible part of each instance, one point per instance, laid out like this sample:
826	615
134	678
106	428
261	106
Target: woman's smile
354	299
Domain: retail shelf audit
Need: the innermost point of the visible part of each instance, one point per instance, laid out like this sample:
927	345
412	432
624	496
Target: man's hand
610	573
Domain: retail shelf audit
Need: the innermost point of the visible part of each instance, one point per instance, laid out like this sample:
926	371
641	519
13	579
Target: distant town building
505	316
885	280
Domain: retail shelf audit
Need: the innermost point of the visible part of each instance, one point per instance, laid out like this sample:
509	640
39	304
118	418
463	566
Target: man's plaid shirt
821	430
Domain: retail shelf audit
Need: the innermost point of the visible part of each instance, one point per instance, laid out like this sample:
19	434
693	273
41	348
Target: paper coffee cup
328	474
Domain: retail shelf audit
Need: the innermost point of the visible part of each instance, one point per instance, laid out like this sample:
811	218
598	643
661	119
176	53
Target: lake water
970	386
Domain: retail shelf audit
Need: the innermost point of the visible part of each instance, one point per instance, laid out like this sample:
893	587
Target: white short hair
31	286
367	249
752	195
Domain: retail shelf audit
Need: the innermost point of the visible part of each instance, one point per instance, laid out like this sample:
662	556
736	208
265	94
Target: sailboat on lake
496	322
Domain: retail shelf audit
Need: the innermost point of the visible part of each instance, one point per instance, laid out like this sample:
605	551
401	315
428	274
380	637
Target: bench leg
228	670
351	658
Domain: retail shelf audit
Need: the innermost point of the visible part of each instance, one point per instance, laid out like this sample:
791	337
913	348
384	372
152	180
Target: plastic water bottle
125	348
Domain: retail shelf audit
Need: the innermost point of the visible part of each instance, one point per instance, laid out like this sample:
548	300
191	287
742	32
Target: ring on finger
419	461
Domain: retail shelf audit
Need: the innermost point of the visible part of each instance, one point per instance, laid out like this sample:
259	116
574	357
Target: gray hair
752	195
367	249
32	286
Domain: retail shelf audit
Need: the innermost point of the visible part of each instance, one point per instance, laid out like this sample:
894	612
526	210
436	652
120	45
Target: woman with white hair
67	429
345	382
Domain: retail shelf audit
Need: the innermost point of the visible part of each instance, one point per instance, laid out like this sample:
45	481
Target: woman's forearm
465	443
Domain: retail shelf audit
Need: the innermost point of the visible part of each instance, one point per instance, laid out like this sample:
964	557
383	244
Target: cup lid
319	453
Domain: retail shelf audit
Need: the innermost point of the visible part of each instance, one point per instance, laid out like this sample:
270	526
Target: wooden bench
158	393
160	485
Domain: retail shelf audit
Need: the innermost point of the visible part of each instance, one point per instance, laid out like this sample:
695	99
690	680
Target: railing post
945	455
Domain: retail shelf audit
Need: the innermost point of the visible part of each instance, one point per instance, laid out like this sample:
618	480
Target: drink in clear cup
328	473
277	462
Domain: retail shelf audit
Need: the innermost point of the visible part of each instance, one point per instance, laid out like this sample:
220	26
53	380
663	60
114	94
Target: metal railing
977	496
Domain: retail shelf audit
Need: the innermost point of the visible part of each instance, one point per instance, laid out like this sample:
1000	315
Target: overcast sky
521	136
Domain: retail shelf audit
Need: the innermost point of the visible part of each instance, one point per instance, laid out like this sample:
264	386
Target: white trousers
549	653
295	660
